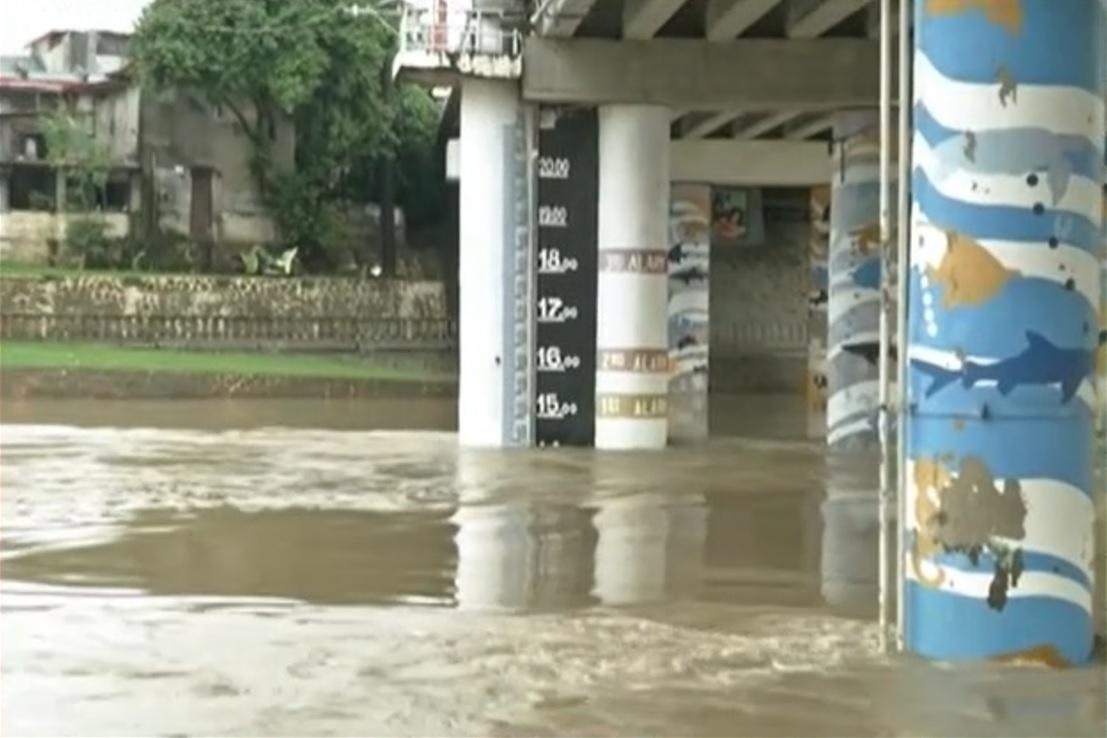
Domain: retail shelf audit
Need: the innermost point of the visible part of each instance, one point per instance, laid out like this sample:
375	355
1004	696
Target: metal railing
438	30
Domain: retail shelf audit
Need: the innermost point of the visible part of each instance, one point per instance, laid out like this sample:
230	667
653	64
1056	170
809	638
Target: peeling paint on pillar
853	312
1007	252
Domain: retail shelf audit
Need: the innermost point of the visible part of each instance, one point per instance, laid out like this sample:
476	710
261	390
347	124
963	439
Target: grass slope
102	357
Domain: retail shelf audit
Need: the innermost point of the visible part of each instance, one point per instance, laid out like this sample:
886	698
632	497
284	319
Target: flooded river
291	568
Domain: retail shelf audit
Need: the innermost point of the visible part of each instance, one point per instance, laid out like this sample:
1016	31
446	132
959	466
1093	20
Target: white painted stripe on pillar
626	310
630	383
930	244
1031	584
1082	196
851	299
961	106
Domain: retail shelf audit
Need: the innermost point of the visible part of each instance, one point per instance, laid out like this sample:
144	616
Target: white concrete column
632	296
493	397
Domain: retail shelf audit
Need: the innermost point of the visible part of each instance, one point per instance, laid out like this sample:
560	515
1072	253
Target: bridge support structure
1004	303
632	337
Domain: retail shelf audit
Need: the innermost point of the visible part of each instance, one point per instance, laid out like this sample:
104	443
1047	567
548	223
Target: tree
77	155
85	163
308	59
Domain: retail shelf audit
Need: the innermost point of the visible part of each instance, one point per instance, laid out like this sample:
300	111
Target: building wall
116	123
180	131
759	304
30	237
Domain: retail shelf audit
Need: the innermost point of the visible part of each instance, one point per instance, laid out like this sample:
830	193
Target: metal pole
883	600
903	271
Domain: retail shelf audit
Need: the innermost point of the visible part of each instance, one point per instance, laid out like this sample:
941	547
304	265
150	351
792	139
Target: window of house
117	193
32	147
31	188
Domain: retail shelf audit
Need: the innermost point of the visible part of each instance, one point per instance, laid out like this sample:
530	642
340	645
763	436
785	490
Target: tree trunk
388	216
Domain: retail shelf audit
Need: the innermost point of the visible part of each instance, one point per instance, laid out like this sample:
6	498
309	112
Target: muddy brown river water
306	568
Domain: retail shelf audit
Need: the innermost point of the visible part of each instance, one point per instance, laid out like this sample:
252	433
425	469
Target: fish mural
818	286
1007	13
689	262
867	275
866	239
1021	152
1040	363
688	275
968	273
1006	242
855	278
870	351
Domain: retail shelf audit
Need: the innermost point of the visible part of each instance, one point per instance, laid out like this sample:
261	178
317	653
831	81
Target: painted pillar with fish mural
632	337
1006	252
1101	363
818	285
853	312
689	307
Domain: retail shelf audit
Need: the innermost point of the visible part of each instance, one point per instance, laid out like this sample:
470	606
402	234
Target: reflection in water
521	557
294	581
649	548
850	542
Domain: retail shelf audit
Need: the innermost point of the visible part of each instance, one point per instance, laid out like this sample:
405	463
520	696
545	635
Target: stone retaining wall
227	312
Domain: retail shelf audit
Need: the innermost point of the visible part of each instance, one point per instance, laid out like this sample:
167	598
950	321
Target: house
179	165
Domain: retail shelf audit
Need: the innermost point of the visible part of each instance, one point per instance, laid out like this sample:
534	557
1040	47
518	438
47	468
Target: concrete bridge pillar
1005	294
632	359
853	310
494	262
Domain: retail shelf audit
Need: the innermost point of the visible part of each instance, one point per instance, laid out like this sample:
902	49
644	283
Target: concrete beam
644	18
712	122
776	74
729	162
562	17
806	130
815	17
750	163
764	124
728	19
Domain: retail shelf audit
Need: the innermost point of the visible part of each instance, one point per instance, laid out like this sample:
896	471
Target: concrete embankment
188	336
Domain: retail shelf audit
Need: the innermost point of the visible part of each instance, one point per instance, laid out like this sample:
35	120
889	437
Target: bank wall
334	314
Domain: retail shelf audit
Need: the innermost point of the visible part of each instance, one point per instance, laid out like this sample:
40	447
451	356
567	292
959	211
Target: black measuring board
565	311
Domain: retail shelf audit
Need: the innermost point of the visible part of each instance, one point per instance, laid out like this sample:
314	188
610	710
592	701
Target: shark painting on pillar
1003	324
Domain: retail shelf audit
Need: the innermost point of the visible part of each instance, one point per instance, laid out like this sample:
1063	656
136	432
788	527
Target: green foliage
72	148
329	71
163	252
419	165
87	239
102	357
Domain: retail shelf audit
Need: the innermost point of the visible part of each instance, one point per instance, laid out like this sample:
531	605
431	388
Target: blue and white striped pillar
1004	309
853	309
